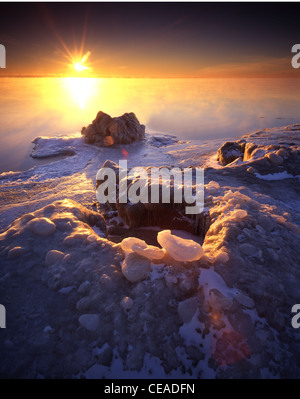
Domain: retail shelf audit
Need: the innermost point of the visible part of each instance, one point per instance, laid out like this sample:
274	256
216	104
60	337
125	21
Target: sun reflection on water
81	90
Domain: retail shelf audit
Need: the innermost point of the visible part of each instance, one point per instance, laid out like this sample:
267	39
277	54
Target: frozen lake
188	108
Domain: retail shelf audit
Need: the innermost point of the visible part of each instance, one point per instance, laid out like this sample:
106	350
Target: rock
165	215
229	152
106	131
53	256
135	267
249	148
283	153
89	321
275	159
186	309
178	248
41	226
251	170
111	165
258	153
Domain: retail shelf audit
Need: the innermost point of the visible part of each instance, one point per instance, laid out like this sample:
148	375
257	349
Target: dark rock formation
165	215
106	131
230	151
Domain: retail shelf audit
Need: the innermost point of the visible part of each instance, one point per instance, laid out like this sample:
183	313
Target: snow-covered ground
71	309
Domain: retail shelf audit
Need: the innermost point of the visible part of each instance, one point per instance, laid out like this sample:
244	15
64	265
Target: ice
133	244
275	176
251	261
41	226
90	321
151	252
53	256
179	248
48	147
129	242
135	267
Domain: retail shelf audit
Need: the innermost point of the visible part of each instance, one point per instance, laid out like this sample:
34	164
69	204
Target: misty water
188	108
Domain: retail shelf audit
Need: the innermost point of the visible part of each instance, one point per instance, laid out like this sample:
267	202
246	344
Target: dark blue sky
151	39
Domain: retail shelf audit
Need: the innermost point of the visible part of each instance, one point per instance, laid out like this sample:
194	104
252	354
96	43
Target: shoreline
225	315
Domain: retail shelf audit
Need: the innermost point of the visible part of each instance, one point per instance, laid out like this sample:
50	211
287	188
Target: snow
53	256
135	310
179	248
275	176
90	321
41	226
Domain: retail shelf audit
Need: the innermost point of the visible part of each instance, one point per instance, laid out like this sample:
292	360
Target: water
189	108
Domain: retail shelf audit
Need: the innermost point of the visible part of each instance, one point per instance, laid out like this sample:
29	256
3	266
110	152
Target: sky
150	39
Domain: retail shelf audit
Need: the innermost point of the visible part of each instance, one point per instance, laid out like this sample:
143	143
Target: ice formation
226	315
180	249
133	244
42	226
150	252
135	267
129	242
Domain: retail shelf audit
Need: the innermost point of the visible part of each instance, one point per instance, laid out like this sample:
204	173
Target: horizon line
151	77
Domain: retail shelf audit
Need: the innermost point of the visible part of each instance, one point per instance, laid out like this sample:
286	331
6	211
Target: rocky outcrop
230	151
105	131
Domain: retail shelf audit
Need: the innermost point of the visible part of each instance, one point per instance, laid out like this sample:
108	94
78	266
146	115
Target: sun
79	67
79	62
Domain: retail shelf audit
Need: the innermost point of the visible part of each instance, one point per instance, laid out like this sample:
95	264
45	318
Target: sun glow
79	67
79	64
81	90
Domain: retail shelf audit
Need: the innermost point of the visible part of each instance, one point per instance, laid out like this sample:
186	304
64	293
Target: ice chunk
275	176
129	242
89	321
133	244
16	251
180	249
53	256
239	214
126	303
41	226
187	308
222	257
135	267
151	252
